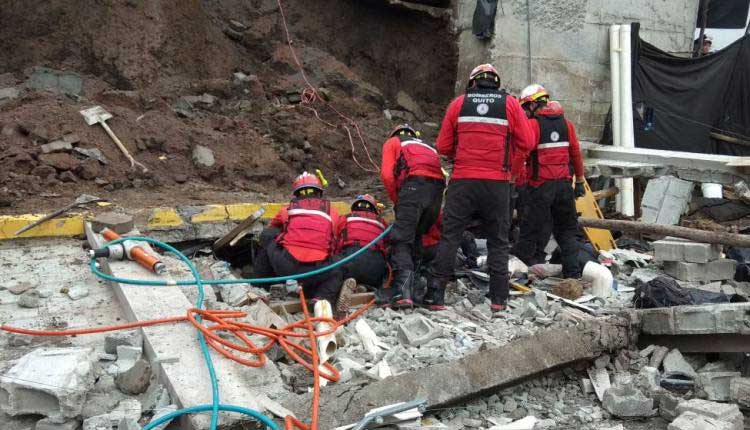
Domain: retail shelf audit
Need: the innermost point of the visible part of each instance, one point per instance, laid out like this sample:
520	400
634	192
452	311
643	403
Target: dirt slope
165	68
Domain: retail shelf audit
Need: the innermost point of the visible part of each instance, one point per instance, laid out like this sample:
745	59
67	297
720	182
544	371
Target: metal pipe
528	42
626	113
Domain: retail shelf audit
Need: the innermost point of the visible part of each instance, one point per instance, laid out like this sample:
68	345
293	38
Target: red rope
310	96
289	338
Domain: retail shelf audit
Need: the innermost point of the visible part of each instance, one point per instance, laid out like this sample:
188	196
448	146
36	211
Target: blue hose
215	406
271	280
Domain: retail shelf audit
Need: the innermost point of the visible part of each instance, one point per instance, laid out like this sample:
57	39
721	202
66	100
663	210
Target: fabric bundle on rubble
665	292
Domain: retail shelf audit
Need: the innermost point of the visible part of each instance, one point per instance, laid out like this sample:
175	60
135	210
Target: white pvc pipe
600	278
326	344
614	70
626	113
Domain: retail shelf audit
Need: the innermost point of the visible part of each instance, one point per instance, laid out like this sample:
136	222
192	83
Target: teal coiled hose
215	405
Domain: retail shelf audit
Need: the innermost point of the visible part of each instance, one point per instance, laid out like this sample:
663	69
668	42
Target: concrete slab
665	200
684	165
174	352
473	375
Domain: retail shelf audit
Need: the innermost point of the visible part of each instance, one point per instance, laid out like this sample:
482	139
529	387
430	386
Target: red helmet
403	128
533	93
305	181
483	69
552	108
365	202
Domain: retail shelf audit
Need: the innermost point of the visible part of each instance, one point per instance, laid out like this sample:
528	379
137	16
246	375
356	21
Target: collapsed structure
656	331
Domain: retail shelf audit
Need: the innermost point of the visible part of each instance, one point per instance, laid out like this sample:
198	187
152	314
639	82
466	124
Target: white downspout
614	69
626	113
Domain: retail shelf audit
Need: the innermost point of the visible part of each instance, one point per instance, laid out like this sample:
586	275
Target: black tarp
724	14
679	102
483	24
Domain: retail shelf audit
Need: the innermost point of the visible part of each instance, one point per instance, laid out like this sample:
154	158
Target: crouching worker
300	238
359	228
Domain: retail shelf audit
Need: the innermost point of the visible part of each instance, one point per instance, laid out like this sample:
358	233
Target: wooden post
701	236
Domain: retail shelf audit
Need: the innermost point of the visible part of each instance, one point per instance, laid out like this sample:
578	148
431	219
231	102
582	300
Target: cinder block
658	321
717	411
739	391
48	381
717	270
675	249
694	320
732	318
721	269
418	330
716	384
690	272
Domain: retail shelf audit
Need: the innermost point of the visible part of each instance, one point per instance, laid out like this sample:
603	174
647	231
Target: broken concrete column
739	391
716	411
418	330
48	381
676	249
472	375
627	401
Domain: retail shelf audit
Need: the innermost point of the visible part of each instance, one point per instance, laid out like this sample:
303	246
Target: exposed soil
142	61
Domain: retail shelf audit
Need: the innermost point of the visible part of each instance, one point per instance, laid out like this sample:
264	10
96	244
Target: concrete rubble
52	382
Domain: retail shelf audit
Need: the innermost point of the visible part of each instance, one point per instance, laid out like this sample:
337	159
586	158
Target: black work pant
489	201
325	285
262	267
368	269
532	240
553	206
468	247
271	259
418	207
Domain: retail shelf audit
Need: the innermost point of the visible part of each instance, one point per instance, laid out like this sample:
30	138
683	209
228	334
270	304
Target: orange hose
224	321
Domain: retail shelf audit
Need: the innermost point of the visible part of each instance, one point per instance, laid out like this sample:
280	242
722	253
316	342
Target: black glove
580	190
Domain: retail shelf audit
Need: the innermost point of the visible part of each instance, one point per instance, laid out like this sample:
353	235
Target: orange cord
224	321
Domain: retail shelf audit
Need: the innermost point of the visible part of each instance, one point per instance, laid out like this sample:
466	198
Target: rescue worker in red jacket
480	131
359	228
431	239
414	180
550	189
301	238
533	98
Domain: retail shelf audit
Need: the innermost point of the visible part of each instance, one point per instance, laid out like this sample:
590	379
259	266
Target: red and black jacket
360	228
482	132
308	225
557	148
404	157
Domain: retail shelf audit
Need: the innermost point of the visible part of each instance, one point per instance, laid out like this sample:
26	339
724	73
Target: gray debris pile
659	386
72	388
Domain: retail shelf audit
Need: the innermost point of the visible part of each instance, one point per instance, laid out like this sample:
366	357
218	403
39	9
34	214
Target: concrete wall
570	47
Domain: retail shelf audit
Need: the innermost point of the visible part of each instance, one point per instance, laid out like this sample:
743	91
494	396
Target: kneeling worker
305	241
359	228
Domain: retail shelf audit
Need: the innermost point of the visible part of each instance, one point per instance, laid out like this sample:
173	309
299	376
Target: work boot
497	308
499	291
344	301
435	297
402	289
